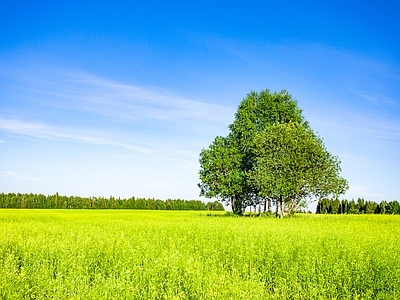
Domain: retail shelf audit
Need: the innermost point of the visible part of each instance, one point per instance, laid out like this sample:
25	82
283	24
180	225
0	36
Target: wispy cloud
366	126
81	91
41	130
376	98
138	146
357	190
368	76
373	131
18	176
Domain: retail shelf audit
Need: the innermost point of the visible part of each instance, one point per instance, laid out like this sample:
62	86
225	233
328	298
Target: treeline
40	201
326	206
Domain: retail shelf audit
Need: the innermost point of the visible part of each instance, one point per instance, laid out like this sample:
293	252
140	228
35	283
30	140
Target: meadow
128	254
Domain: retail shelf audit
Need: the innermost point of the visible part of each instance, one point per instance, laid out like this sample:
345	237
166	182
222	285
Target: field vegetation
131	254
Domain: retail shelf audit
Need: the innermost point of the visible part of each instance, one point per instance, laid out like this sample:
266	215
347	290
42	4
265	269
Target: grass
81	254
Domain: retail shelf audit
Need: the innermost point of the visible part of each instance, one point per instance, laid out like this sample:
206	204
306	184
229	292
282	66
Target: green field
109	254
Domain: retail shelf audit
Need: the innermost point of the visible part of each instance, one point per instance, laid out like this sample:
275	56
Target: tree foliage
270	154
293	167
221	174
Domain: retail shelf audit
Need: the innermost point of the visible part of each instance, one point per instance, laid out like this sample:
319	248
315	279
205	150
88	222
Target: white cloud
138	146
356	191
18	176
353	125
377	99
41	130
372	130
80	91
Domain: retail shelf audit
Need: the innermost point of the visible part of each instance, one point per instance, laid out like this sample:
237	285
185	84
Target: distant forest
360	206
40	201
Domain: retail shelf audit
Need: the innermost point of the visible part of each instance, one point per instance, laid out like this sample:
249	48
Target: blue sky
100	98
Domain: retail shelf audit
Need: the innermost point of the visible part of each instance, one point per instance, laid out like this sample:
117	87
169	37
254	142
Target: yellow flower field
128	254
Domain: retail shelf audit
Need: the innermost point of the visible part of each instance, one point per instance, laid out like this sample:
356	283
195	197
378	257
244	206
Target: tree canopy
270	154
293	167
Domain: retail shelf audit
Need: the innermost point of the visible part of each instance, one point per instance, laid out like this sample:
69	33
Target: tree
361	205
230	167
336	206
216	206
293	166
393	208
255	114
221	175
370	207
353	209
344	206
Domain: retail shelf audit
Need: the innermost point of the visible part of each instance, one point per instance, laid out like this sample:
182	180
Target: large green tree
230	166
293	166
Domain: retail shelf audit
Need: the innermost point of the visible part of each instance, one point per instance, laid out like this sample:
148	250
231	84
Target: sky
100	98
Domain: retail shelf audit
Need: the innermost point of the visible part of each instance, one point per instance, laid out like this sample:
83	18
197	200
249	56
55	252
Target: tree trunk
282	207
236	206
269	205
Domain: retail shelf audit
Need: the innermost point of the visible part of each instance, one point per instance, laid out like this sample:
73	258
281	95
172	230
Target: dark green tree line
360	206
56	201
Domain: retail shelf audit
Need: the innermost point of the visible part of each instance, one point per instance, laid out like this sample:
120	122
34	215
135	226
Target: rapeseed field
128	254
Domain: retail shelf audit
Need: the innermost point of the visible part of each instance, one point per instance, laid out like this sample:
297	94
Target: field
126	254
